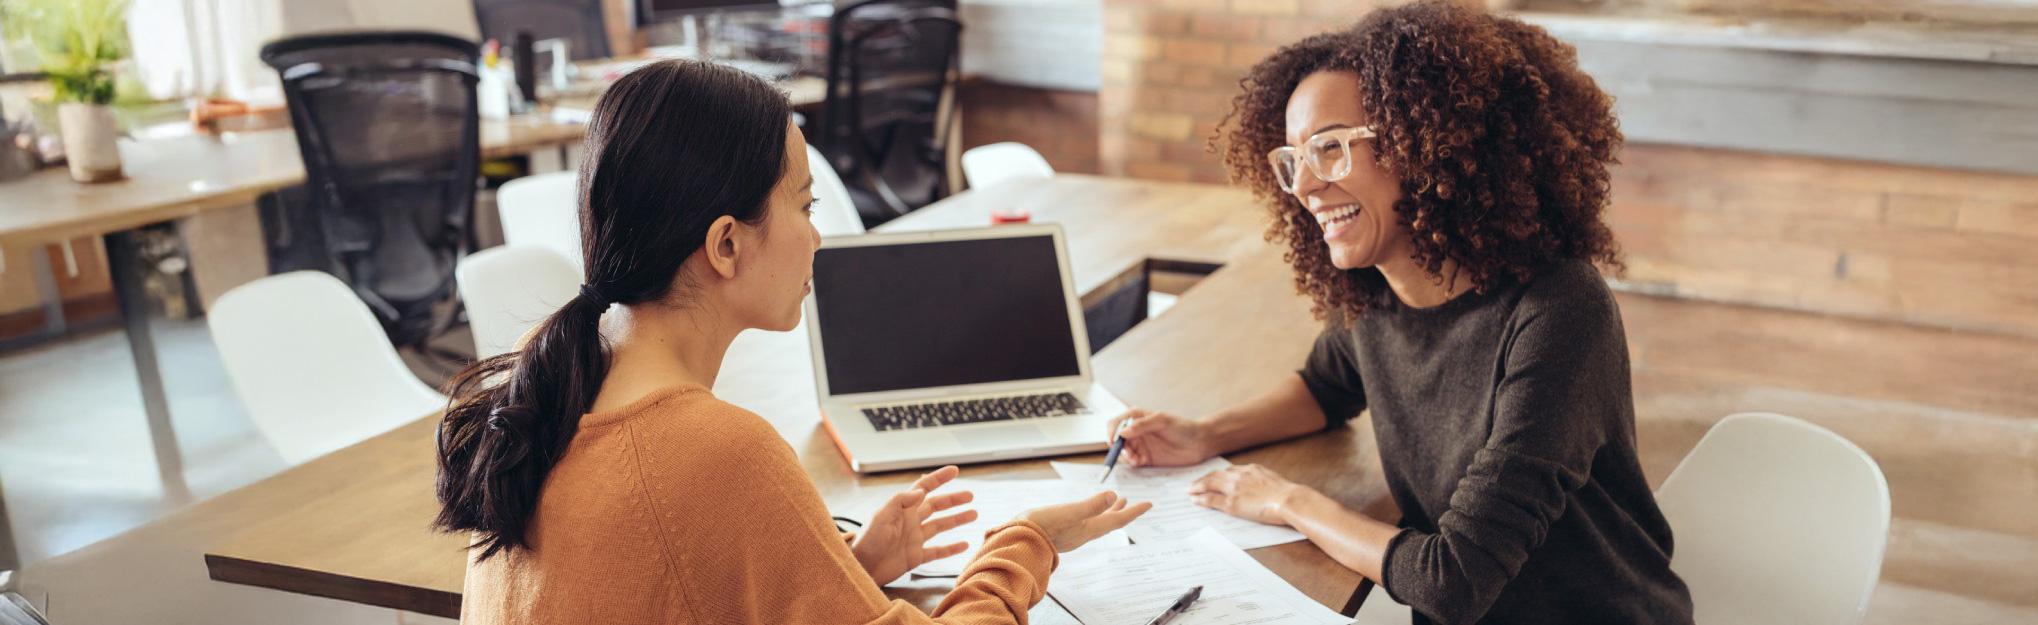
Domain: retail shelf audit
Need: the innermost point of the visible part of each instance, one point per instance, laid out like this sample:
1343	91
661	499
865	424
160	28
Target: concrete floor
74	448
77	466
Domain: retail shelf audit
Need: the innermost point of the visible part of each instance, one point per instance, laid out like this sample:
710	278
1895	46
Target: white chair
836	215
1380	609
542	211
509	289
312	366
988	165
1777	521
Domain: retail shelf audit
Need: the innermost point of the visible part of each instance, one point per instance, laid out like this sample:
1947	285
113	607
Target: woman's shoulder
685	416
1570	290
693	407
689	431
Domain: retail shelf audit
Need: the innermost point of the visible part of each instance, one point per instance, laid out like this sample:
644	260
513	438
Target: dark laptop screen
918	315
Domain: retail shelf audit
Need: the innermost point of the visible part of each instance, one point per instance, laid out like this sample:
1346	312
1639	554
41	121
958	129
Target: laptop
951	347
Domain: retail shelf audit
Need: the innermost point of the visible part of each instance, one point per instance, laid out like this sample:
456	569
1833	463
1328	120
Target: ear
722	246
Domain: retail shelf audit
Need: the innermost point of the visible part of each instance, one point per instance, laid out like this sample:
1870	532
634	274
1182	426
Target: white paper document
1173	515
1129	585
998	502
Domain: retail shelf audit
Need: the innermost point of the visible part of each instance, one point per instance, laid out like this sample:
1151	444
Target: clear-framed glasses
1327	155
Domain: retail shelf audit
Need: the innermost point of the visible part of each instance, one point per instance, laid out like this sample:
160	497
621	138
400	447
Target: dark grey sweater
1507	431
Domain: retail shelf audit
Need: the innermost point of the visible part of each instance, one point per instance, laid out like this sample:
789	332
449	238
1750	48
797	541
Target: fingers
1119	516
1144	424
1096	504
937	553
934	479
1213	482
909	498
942	502
946	523
1133	454
1209	500
1111	427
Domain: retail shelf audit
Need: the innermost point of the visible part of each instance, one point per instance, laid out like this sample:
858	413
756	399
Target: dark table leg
10	556
124	263
1358	598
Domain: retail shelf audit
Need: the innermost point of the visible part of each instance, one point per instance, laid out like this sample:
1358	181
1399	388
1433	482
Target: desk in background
185	176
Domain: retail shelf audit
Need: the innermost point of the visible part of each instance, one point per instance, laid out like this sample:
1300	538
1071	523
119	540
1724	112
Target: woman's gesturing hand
896	539
1070	525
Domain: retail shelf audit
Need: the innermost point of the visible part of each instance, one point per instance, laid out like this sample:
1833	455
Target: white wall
1050	44
454	17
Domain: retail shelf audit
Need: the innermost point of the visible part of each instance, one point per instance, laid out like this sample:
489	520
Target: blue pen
1117	445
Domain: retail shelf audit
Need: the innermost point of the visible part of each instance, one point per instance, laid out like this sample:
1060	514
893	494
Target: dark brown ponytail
671	148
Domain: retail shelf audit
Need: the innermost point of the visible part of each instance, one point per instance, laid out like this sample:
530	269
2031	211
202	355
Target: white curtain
206	48
210	48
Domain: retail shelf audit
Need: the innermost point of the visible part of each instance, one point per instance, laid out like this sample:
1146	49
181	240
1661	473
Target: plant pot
89	141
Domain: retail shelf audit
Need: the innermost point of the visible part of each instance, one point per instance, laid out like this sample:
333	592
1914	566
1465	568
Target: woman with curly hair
1438	175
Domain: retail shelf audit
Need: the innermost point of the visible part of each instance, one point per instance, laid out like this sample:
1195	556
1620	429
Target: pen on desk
1117	445
1180	606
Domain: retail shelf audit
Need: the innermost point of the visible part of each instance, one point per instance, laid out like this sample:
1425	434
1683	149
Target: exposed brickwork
1061	125
1172	66
1929	246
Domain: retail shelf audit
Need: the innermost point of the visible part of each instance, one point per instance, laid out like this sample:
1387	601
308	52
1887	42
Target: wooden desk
353	525
174	177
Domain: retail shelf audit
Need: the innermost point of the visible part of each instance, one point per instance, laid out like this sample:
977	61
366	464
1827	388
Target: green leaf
76	42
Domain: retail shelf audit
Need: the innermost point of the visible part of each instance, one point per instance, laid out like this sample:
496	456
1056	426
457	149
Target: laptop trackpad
1011	437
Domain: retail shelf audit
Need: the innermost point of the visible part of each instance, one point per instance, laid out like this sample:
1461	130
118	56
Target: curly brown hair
1501	144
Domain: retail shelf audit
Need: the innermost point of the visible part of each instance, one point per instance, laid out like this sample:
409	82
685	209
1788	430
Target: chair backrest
884	123
542	211
989	165
509	289
387	126
312	366
836	215
1777	521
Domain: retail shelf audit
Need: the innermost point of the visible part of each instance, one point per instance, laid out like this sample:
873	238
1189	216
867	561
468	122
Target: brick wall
1929	246
1061	125
1985	13
1922	245
1172	66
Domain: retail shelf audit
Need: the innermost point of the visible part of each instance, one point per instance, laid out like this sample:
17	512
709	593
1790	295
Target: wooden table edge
343	588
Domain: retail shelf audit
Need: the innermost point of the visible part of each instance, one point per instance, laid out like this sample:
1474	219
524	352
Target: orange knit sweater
680	508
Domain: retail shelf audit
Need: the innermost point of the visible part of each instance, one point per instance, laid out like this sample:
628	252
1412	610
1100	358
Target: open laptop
955	346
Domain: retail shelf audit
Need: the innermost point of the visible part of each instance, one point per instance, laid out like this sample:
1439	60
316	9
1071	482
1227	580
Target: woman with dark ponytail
600	479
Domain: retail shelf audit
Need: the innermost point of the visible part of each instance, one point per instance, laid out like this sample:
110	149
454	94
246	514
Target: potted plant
76	42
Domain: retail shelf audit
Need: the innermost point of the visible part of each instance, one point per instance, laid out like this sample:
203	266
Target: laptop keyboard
974	411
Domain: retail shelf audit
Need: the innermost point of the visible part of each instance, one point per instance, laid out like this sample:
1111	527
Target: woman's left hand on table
1247	491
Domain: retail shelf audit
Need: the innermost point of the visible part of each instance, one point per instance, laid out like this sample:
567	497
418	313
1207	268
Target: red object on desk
1010	216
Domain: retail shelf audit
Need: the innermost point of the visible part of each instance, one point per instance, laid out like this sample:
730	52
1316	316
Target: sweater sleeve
1332	375
1563	381
1005	579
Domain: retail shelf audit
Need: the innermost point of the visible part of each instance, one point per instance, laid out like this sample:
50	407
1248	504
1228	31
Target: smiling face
1356	213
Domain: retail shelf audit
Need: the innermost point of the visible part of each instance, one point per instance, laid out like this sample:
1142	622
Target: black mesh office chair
882	124
388	129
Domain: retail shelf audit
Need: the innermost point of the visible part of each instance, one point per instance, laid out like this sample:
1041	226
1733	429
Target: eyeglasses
1327	155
